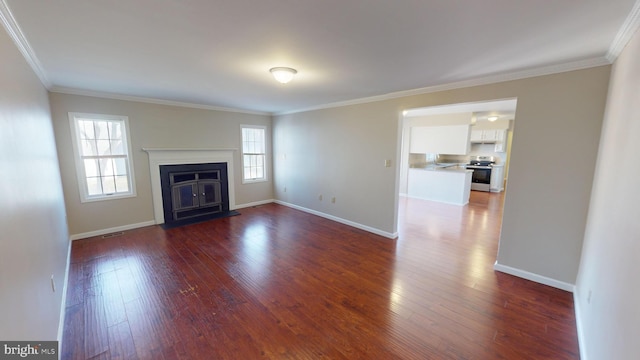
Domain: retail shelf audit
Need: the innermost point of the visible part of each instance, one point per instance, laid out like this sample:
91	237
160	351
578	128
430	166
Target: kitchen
449	151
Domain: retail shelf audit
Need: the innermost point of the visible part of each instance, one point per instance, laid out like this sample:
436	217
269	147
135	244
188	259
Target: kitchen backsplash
417	160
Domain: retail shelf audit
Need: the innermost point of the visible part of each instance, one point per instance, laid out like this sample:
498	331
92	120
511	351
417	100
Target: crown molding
107	95
626	32
14	31
486	80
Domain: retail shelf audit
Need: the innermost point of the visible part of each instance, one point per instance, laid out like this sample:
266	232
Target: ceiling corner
14	31
628	28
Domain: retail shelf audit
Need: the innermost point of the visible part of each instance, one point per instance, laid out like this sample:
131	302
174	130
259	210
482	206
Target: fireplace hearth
194	192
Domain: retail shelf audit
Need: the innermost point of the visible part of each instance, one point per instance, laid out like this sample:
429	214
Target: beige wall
34	241
341	151
608	291
151	126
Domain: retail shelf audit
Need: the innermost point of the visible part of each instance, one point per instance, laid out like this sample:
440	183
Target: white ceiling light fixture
283	74
492	118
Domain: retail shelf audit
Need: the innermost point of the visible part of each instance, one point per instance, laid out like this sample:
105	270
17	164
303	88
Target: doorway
491	123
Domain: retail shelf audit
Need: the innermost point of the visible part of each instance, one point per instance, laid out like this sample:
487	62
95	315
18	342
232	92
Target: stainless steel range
481	166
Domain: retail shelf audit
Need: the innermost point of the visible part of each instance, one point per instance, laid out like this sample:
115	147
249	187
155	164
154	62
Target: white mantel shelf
174	156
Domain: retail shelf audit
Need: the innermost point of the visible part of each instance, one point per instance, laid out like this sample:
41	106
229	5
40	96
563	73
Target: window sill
252	181
106	198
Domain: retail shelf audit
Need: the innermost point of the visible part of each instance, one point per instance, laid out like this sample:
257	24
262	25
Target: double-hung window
253	153
102	154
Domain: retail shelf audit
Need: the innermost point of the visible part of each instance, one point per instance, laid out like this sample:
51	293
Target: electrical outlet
387	163
53	284
333	200
320	197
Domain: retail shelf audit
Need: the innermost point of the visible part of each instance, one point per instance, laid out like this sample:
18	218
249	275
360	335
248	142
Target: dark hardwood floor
277	283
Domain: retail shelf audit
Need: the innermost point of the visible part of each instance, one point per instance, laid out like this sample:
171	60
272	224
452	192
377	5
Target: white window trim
266	154
80	171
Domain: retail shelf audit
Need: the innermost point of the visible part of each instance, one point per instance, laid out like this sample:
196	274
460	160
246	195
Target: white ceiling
218	53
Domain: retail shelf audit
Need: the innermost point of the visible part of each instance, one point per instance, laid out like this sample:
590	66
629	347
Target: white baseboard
241	206
534	277
255	203
63	303
111	230
340	220
581	339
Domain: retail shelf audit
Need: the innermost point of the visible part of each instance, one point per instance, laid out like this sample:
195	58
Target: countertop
445	167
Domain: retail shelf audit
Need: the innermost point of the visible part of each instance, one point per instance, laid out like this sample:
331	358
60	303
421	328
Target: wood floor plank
72	347
96	340
277	283
121	346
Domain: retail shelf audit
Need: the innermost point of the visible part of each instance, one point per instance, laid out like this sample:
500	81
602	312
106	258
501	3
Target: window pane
115	130
108	185
89	148
106	167
103	147
260	141
93	186
91	168
122	184
85	128
120	166
101	130
116	147
259	172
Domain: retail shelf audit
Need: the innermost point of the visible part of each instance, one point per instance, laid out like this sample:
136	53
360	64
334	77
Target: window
253	153
101	147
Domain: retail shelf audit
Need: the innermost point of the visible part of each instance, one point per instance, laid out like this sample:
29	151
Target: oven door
481	178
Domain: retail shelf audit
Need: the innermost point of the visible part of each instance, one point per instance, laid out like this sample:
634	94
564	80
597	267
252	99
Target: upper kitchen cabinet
487	136
492	136
453	139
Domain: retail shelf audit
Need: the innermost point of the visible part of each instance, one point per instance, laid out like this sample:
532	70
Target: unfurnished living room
319	179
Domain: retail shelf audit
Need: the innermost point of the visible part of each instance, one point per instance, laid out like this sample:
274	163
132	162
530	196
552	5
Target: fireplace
162	156
194	191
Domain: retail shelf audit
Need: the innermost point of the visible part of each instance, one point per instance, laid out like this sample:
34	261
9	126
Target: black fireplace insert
194	192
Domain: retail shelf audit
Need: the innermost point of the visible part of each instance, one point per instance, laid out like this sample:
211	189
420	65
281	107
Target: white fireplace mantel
164	156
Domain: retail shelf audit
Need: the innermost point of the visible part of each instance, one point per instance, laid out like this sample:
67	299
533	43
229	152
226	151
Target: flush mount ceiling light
492	118
283	74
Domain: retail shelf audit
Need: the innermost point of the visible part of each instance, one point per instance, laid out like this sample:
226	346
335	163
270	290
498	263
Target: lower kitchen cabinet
497	178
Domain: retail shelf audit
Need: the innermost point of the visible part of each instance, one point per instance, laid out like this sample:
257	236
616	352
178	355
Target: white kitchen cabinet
501	141
498	137
453	139
485	136
476	136
490	135
497	178
447	186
